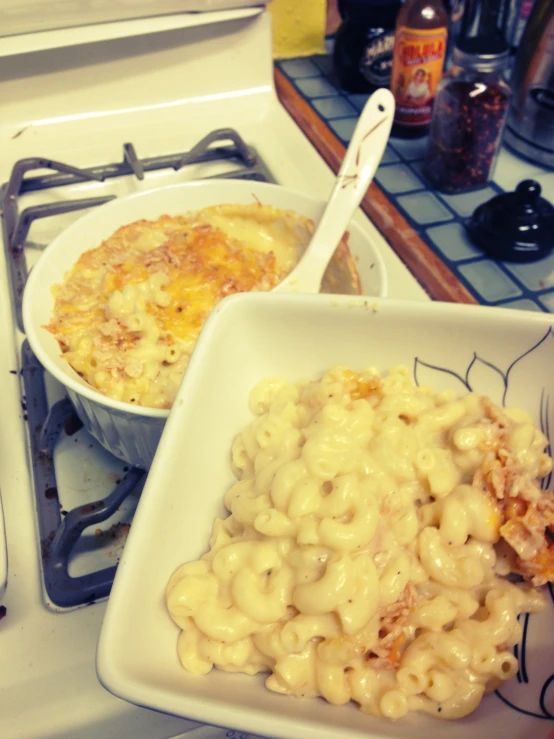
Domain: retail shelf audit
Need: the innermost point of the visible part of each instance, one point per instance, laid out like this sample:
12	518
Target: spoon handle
361	160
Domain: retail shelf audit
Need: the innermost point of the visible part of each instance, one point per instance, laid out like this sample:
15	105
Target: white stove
76	96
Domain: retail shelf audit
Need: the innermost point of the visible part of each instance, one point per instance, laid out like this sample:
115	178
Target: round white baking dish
129	432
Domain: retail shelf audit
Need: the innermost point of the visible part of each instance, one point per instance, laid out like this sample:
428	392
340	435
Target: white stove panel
17	17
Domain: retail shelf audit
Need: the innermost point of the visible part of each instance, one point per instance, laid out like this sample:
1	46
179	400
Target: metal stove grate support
58	534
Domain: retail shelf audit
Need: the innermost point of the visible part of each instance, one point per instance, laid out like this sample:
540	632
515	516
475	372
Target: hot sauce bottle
418	60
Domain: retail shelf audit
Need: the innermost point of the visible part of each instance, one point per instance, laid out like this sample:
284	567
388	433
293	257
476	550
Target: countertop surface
424	227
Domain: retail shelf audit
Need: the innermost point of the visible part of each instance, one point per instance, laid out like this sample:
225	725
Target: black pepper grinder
364	44
516	226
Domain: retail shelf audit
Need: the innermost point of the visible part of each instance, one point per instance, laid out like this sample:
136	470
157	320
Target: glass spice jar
468	117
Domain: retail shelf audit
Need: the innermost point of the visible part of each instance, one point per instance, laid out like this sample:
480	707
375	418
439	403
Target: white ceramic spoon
358	168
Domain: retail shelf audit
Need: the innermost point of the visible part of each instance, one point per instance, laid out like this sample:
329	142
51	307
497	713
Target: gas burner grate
60	533
224	144
60	530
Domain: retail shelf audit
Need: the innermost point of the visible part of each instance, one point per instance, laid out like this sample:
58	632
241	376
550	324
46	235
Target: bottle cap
483	53
516	226
365	8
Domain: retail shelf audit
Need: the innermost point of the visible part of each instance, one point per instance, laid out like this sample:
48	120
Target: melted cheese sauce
128	314
266	230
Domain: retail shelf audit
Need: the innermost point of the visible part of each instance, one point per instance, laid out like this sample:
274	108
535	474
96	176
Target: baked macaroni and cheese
128	314
374	531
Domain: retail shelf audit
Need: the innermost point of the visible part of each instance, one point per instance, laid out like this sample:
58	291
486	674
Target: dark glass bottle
364	44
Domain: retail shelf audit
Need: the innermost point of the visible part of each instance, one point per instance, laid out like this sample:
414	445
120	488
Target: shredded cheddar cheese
129	313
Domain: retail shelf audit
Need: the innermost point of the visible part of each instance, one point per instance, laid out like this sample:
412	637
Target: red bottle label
416	71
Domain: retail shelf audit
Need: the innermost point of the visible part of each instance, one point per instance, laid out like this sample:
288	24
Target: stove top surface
79	107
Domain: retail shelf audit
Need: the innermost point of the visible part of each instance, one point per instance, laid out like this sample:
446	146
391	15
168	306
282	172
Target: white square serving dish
508	355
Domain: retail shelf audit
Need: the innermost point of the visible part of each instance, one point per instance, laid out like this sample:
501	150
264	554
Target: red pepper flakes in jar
468	117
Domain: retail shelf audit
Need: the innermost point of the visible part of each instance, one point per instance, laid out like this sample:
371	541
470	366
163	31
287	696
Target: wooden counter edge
433	275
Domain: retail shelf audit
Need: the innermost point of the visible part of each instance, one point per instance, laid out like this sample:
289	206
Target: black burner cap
516	226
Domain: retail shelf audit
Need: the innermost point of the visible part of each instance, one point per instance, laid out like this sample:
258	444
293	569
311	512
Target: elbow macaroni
358	560
128	314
